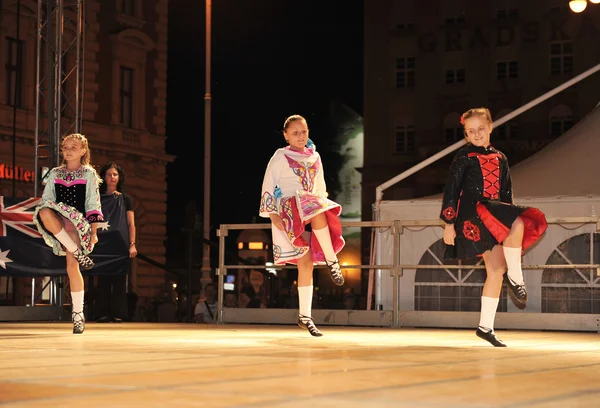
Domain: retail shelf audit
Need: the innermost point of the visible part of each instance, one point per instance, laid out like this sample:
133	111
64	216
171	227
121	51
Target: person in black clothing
111	300
481	219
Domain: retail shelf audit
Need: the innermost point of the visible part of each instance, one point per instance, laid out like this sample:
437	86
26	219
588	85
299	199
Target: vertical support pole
32	292
221	271
396	231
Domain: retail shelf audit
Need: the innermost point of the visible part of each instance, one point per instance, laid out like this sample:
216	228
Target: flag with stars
23	252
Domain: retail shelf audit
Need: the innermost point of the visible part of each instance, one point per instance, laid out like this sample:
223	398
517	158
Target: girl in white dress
69	215
305	224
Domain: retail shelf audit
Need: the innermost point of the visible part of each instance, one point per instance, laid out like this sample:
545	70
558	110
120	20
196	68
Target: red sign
7	172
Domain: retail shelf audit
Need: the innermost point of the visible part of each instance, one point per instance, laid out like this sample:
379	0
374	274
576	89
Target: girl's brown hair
291	119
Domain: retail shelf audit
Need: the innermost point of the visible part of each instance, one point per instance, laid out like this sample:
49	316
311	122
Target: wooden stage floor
185	365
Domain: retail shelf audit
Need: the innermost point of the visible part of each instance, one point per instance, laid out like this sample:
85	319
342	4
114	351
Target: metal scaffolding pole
59	79
59	88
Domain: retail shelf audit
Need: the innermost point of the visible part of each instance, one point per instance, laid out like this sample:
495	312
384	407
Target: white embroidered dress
294	187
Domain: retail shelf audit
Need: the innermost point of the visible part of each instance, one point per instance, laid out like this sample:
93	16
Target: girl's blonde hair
482	112
86	158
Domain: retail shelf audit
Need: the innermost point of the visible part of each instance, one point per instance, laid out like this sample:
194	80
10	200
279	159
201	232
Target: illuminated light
240	245
174	286
595	1
256	245
577	6
271	270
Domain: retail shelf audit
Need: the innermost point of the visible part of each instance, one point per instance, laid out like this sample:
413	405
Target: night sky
270	59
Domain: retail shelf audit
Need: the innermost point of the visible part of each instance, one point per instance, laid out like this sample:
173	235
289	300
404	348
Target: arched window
561	120
573	290
450	289
508	130
453	130
129	78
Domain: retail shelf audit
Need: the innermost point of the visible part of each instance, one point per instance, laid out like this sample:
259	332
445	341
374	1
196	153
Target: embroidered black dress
478	201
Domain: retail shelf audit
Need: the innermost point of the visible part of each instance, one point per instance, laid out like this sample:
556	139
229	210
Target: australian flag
23	252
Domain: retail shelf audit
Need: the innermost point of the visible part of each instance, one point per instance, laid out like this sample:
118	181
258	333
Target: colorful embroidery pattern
305	171
310	204
287	217
268	203
471	231
276	252
69	175
449	213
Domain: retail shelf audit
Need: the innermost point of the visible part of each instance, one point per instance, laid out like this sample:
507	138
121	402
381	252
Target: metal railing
396	228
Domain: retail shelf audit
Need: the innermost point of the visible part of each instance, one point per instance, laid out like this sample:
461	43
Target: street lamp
207	138
577	6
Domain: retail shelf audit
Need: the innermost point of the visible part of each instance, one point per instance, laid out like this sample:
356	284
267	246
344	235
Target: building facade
124	112
425	65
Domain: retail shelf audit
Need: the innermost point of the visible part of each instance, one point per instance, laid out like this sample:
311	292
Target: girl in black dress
481	219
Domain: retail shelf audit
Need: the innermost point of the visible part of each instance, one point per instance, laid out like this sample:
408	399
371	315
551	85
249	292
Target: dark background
270	59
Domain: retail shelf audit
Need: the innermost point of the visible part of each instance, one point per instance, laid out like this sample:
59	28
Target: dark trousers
111	297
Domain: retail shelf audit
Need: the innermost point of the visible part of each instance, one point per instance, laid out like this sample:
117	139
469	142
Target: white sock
325	241
77	299
64	238
305	294
513	263
488	312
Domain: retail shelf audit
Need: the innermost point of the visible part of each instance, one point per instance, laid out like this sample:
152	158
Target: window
14	72
455	20
558	126
126	96
507	14
127	7
506	70
507	132
561	120
561	58
405	72
456	76
405	139
573	290
405	27
453	134
559	11
453	131
131	48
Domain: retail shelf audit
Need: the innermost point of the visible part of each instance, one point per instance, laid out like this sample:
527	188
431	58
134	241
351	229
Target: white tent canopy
569	166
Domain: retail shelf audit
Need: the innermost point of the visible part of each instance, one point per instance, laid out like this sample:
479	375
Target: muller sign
8	172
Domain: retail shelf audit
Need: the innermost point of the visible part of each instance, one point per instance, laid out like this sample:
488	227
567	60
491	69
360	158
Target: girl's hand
449	234
276	220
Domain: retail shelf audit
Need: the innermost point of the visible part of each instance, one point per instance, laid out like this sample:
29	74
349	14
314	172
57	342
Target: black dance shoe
84	261
336	272
78	322
490	337
517	293
308	324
